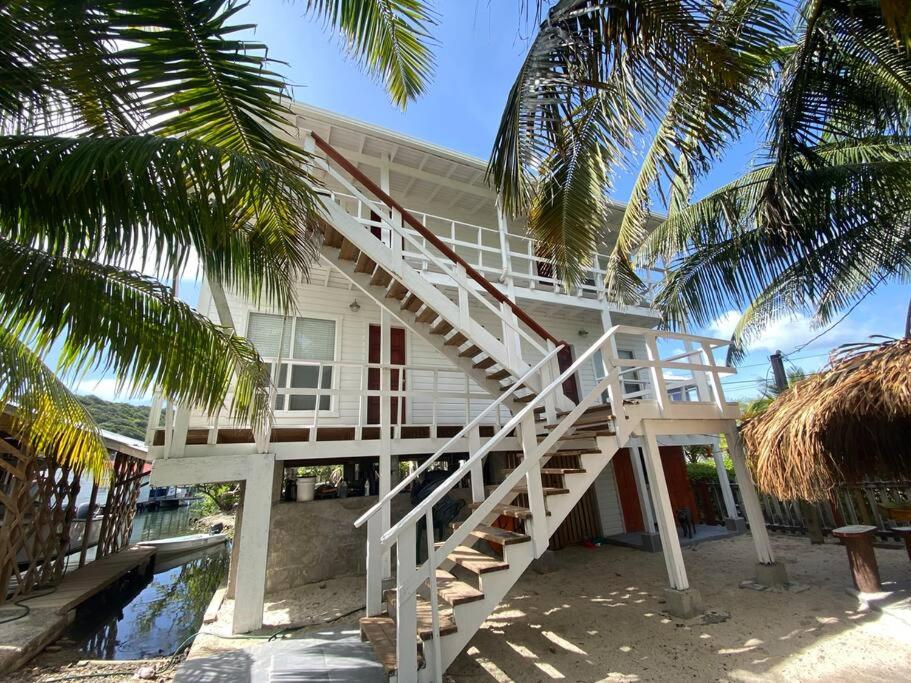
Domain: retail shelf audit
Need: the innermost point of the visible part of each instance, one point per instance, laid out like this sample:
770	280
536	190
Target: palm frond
122	322
45	414
134	198
390	38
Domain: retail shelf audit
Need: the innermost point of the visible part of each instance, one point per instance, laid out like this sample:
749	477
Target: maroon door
570	385
397	356
626	490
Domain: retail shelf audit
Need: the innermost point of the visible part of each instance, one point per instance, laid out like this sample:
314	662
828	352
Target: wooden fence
858	504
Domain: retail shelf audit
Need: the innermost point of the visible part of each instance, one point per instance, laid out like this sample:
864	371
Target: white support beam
727	494
254	544
667	524
645	496
751	505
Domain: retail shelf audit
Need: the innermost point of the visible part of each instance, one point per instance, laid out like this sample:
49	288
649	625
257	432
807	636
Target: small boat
183	544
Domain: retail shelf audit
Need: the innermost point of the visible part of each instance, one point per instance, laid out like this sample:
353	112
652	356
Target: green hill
123	418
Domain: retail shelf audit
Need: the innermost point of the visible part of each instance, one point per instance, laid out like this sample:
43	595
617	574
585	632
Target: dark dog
685	520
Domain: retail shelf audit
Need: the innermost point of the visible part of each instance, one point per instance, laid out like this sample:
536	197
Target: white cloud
107	388
785	334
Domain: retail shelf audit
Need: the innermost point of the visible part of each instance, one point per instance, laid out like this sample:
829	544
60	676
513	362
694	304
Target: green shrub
705	470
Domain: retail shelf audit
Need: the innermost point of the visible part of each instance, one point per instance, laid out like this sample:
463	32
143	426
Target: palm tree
135	131
817	225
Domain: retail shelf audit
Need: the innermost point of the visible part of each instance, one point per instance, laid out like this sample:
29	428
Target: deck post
253	545
477	470
732	520
539	535
768	571
682	601
650	539
386	429
406	618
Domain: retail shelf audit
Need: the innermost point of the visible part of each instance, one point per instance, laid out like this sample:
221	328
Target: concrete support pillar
253	542
768	572
682	601
732	520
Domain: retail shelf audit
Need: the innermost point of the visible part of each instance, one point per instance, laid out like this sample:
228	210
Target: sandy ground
598	617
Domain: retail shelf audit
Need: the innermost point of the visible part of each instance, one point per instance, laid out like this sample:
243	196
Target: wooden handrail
444	248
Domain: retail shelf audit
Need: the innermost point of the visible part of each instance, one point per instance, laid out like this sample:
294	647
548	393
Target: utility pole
808	511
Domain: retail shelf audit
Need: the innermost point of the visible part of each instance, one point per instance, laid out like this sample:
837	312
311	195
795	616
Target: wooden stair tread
502	373
332	237
455	592
456	340
380	633
442	327
411	303
557	470
396	290
548	490
527	398
427	315
348	251
476	562
495	534
484	363
470	352
364	264
380	278
590	422
424	613
514	511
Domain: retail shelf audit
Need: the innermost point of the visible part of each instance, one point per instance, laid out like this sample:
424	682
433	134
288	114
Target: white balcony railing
482	247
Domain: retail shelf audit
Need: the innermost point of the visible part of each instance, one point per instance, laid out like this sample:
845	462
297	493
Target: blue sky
481	45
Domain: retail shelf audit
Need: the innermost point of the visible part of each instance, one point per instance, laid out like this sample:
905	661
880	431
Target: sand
598	617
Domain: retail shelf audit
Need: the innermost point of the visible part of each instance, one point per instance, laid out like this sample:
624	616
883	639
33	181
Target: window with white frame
302	345
631	381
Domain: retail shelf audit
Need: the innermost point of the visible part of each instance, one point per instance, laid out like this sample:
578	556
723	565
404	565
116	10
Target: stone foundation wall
316	540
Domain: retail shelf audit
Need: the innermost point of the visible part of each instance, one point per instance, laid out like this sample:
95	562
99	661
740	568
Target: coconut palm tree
824	218
136	132
600	77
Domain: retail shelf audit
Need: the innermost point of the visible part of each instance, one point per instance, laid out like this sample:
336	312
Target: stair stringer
383	256
469	617
451	353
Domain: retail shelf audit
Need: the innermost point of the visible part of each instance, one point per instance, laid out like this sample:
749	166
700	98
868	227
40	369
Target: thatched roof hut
850	422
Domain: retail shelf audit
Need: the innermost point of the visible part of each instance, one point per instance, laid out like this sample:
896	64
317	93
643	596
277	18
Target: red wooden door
626	490
678	483
570	385
397	357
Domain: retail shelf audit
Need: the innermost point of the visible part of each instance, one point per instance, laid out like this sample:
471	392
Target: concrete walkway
330	656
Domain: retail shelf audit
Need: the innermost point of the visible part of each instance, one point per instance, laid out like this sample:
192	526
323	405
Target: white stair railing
409	577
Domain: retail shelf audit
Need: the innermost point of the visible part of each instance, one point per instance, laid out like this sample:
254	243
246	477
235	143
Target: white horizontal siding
609	502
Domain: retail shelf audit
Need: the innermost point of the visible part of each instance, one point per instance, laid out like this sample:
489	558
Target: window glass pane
305	377
314	339
264	330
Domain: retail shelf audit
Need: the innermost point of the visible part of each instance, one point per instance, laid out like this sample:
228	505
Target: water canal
152	617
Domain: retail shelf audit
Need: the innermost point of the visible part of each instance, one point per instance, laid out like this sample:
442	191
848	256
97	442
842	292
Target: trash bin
305	488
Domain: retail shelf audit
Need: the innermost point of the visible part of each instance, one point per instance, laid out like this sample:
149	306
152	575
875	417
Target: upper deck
447	192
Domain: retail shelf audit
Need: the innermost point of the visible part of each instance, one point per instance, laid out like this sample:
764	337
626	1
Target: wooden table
858	539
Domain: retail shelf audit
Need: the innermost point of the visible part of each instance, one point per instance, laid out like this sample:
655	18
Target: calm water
153	618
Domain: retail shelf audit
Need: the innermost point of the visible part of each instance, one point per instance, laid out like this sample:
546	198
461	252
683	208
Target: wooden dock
80	585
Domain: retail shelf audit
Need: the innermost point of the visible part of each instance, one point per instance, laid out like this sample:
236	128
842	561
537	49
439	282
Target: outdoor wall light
354	306
583	333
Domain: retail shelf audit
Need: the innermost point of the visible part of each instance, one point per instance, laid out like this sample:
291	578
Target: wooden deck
82	584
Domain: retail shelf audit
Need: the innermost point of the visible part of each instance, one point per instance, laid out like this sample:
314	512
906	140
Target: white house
430	332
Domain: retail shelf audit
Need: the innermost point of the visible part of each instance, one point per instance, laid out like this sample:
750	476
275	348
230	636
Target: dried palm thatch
849	422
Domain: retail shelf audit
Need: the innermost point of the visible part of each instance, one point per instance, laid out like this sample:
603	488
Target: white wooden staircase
418	628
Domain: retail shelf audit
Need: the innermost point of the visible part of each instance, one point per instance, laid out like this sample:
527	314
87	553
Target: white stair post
768	571
477	470
682	601
539	536
375	567
406	619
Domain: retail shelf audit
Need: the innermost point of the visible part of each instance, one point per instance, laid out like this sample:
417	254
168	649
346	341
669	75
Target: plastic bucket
305	487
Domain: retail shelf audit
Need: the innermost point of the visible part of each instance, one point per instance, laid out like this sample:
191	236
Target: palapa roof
850	422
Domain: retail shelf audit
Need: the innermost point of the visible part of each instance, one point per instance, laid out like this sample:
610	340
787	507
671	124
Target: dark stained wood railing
419	227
